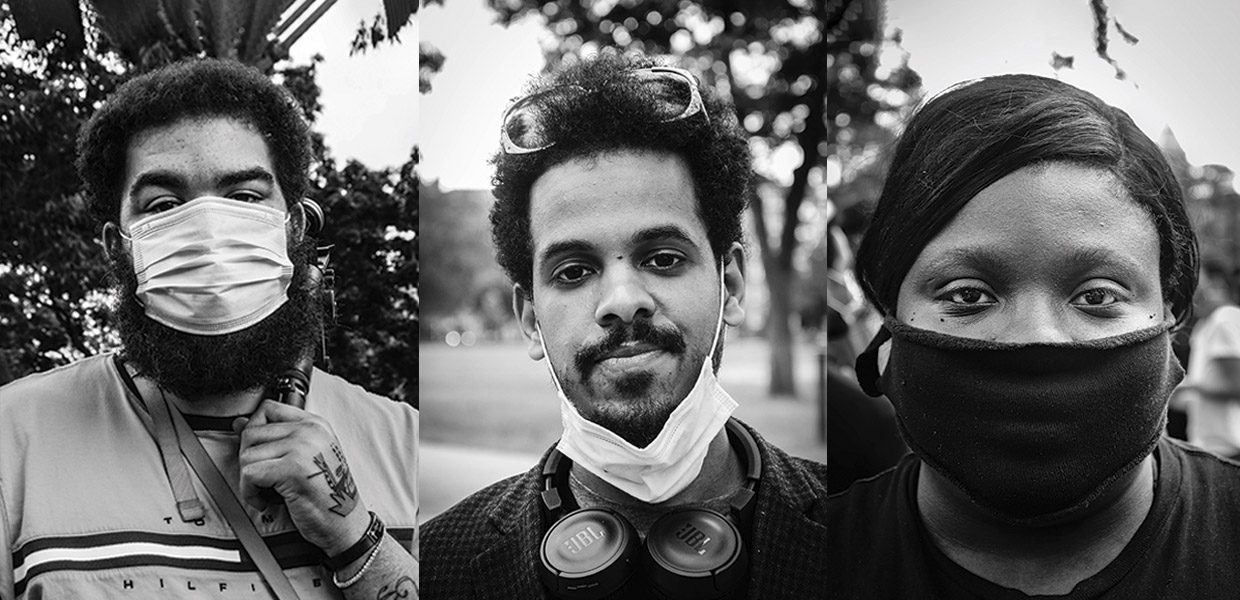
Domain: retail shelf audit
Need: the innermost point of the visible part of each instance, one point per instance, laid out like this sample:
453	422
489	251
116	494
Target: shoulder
799	479
472	541
1205	472
55	384
475	517
348	404
59	394
856	512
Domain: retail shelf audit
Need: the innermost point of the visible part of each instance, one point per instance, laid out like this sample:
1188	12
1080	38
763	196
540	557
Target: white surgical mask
212	265
674	459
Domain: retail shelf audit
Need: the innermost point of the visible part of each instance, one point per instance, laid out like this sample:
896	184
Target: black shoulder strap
231	507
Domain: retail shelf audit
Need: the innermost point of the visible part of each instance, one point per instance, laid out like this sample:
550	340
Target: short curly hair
191	89
714	148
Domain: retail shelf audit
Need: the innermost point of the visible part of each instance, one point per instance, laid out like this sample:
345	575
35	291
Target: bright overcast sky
1184	73
370	101
485	67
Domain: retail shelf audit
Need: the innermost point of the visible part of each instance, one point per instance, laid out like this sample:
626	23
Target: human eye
664	260
570	274
1098	297
966	299
247	196
163	203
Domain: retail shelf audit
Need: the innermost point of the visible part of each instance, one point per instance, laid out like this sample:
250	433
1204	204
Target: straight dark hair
971	136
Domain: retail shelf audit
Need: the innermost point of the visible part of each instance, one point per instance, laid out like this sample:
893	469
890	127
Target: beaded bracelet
358	575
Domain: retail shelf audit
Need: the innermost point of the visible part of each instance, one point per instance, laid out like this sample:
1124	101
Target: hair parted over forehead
974	134
715	150
191	89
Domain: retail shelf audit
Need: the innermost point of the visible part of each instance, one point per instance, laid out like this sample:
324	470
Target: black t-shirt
1187	547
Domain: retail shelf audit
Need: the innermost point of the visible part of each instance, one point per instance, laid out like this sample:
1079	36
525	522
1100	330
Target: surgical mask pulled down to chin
212	265
1032	433
674	459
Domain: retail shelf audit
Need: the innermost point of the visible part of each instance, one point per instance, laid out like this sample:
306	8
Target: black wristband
370	539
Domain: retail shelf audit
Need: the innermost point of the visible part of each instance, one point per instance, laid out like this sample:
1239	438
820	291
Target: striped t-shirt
86	510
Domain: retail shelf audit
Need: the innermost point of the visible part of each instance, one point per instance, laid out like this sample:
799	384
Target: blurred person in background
1210	392
1030	252
167	469
862	436
620	187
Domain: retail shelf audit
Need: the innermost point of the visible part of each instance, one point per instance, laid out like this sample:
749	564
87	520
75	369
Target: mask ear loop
723	298
867	364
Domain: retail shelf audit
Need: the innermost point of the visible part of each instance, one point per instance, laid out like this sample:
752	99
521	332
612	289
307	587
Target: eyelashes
973	298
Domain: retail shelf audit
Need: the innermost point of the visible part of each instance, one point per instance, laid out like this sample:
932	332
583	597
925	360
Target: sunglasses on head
672	93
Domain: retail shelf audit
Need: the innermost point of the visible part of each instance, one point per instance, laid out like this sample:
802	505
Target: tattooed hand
297	454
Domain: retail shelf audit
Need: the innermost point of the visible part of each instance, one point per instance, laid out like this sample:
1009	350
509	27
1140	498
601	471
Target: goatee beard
195	366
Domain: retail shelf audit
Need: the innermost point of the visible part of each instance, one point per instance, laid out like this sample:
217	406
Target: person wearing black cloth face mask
1030	253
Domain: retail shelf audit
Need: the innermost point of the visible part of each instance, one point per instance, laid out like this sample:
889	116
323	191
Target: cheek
910	304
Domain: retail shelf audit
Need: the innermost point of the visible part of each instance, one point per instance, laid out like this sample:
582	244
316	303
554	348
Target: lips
636	346
629	350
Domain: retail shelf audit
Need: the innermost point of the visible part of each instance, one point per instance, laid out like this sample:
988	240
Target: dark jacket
487	545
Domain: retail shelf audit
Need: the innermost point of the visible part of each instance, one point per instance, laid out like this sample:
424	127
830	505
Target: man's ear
523	308
112	240
734	285
297	220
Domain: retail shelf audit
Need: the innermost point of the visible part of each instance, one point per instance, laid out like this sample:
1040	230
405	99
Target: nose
624	297
1037	320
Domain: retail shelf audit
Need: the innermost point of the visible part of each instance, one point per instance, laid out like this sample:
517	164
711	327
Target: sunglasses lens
671	93
664	94
527	124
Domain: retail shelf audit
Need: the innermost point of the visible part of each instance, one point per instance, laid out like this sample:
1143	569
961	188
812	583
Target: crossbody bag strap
231	507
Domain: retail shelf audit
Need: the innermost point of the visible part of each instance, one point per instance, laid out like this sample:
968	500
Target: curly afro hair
191	89
587	125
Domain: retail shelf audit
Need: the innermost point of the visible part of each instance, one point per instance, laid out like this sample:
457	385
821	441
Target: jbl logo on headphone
693	537
583	538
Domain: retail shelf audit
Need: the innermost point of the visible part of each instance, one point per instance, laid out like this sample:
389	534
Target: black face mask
1032	433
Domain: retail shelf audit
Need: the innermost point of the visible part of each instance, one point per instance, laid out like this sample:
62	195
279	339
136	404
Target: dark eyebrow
174	181
1075	264
645	236
244	175
1084	258
566	247
164	179
974	257
662	233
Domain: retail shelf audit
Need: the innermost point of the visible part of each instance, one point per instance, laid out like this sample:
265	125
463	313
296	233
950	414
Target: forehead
603	199
1048	211
202	147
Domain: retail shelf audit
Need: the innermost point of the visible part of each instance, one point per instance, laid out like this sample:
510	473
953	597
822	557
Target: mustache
668	339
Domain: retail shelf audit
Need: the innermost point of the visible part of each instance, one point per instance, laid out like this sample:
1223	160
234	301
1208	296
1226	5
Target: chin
635	406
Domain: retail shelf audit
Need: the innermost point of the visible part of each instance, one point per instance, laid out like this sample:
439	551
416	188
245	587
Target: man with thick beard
167	469
620	188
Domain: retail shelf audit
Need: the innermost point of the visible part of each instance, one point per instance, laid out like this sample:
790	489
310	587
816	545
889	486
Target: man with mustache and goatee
620	188
166	470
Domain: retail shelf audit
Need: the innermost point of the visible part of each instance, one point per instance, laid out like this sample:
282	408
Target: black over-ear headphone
313	216
690	553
